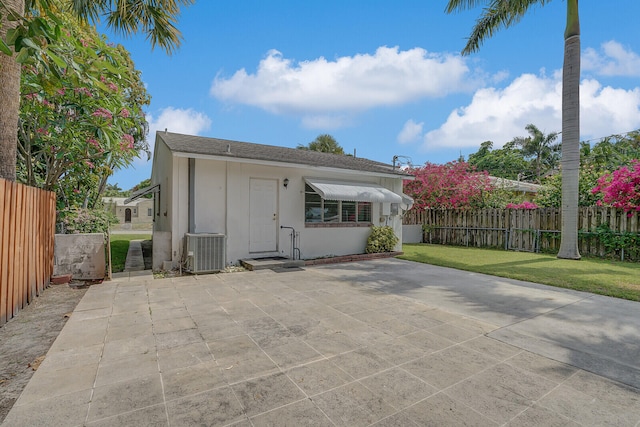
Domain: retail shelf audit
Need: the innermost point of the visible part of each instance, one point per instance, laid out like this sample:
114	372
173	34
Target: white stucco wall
221	191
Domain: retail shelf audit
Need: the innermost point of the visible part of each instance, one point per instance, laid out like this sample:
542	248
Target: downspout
191	195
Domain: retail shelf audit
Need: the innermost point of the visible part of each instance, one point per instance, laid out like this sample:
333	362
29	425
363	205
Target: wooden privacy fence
601	231
27	230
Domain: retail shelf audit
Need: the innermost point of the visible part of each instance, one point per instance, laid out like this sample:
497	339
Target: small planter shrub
381	239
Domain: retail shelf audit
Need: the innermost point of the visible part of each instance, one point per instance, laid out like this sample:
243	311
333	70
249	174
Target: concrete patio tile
395	420
177	338
493	348
473	325
263	394
126	368
115	333
427	342
353	405
586	410
162	294
288	352
216	407
398	388
318	377
192	380
125	396
171	304
117	349
130	307
501	392
547	368
239	346
360	363
73	357
130	319
96	313
366	335
173	325
301	413
612	393
183	356
48	383
62	410
454	333
441	410
330	343
449	366
350	307
536	416
241	309
152	416
169	313
245	367
221	331
396	351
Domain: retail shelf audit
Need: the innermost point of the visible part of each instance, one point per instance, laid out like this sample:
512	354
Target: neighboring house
253	199
527	189
136	215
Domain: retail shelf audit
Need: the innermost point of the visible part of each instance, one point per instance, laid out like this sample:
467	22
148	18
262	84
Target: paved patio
344	345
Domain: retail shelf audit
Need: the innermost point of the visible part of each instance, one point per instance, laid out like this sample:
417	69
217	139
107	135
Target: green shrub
381	239
75	221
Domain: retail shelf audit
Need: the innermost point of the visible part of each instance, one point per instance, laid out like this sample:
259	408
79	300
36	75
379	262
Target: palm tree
540	147
155	18
504	13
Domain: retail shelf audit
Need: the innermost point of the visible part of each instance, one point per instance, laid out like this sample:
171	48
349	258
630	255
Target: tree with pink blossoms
454	185
621	189
77	128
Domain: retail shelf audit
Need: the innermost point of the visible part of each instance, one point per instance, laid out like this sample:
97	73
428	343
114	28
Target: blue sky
384	78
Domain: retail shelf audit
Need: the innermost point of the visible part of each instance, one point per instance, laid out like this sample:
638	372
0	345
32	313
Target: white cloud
612	60
499	115
178	120
320	87
411	132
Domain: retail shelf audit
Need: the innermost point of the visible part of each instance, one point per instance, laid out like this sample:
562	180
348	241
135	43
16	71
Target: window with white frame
319	210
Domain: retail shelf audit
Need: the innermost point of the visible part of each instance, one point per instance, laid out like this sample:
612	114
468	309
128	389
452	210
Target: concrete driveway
387	343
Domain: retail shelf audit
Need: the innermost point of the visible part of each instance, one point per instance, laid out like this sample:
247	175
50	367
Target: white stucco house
231	200
135	215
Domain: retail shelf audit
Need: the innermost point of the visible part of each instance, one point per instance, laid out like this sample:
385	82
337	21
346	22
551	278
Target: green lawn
612	278
119	248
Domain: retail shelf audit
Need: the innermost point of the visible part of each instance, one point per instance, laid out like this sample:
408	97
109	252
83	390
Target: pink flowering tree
453	185
75	129
621	189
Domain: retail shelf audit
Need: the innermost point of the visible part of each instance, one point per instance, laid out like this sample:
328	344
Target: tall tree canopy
324	143
540	148
499	14
76	129
26	35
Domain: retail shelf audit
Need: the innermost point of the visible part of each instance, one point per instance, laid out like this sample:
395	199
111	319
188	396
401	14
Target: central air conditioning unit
204	252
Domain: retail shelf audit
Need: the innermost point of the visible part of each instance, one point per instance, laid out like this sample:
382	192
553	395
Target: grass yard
120	247
611	278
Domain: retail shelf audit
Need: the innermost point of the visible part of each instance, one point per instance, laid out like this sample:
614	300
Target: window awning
143	192
353	191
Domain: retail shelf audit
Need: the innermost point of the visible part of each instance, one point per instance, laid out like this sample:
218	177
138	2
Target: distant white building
135	215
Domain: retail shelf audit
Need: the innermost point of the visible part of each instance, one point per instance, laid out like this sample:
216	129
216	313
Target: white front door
263	215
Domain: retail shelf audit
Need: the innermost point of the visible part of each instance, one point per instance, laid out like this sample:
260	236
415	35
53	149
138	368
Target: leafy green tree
550	195
26	36
114	190
505	13
142	184
73	132
541	149
324	143
506	162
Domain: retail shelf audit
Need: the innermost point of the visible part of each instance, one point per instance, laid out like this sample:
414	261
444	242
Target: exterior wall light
285	182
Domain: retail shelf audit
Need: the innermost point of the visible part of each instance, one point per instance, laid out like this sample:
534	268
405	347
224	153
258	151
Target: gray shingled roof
244	150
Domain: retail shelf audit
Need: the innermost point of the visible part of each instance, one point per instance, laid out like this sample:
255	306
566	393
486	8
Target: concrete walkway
385	343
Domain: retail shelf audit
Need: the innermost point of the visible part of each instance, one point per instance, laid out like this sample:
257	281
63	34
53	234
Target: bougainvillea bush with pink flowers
81	116
454	185
621	188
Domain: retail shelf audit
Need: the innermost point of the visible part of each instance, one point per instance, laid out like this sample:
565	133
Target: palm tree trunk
9	100
570	135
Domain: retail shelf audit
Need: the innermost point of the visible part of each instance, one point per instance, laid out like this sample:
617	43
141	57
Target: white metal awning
353	191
